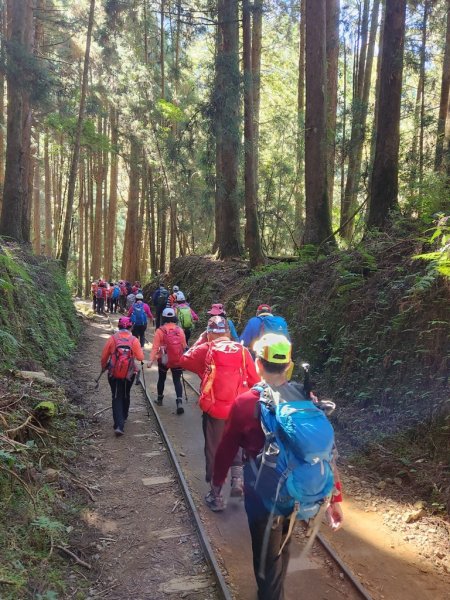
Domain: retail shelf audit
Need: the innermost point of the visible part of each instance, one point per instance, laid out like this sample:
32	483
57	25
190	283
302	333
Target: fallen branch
27	489
99	412
75	557
16	429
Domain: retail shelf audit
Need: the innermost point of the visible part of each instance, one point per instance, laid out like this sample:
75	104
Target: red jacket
226	369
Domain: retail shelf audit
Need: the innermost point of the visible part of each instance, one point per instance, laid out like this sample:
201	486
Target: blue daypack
273	324
138	316
115	292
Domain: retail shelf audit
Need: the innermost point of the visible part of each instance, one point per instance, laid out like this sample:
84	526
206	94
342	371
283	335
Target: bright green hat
273	348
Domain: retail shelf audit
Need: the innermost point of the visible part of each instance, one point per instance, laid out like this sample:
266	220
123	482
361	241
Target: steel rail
203	536
327	547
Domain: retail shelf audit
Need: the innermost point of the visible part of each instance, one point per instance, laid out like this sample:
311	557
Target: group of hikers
273	435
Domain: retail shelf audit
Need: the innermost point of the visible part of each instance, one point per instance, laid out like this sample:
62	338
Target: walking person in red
169	344
118	356
226	370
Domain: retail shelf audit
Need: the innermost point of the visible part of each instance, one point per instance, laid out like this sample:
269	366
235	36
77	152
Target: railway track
202	533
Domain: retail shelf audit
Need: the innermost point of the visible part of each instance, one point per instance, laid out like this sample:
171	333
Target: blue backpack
273	324
293	473
138	316
116	292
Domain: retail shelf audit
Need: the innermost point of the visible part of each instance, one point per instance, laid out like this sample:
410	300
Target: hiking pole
97	381
184	385
143	375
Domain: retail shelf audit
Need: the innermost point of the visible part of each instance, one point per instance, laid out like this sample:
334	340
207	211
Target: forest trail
130	526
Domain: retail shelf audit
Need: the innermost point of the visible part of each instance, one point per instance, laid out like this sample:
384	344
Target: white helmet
168	312
180	297
175	289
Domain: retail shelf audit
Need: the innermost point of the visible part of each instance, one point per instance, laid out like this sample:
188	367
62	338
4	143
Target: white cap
180	297
139	297
168	312
176	288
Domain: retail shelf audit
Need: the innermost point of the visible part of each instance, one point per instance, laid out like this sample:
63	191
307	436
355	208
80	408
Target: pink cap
216	310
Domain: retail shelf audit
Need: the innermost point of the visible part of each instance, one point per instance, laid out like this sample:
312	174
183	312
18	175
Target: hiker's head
139	296
161	285
263	309
169	316
125	323
180	297
217	310
217	327
175	289
273	354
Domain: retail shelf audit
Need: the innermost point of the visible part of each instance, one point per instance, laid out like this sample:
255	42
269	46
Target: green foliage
440	258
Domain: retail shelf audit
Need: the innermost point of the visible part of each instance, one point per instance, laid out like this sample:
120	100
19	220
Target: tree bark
97	240
48	199
228	113
445	96
318	219
257	13
300	186
131	246
2	97
384	190
113	184
65	246
332	50
81	245
252	237
37	203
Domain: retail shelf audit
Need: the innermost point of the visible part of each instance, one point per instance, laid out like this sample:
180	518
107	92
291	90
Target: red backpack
174	347
121	363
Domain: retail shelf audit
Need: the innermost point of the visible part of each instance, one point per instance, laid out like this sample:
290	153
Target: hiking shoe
180	409
159	400
214	502
237	487
118	431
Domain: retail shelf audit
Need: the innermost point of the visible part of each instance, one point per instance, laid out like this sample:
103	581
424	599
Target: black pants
271	587
114	302
120	389
100	305
176	376
212	432
187	335
139	332
122	303
94	303
158	317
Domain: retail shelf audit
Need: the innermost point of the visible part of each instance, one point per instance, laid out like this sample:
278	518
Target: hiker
168	346
131	299
173	295
226	370
138	314
218	310
160	300
123	296
118	356
101	296
109	291
94	287
264	322
186	316
115	295
318	488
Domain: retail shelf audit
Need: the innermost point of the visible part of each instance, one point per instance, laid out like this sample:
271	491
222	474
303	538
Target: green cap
273	348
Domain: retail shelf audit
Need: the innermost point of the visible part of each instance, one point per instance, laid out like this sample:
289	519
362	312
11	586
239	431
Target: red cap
216	310
263	308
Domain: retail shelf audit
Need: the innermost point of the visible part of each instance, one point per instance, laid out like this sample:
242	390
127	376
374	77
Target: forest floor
141	539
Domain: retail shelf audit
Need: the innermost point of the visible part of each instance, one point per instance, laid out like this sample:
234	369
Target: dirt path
145	546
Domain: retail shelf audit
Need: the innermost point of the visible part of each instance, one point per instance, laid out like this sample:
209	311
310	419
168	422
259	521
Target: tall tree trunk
13	192
257	20
318	218
37	203
357	136
97	241
113	184
228	112
2	97
48	199
131	245
445	96
81	247
300	187
151	220
163	227
87	238
252	238
65	246
384	190
332	49
162	51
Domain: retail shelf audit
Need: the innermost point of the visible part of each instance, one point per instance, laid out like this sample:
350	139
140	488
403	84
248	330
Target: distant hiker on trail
118	356
94	287
123	296
160	300
101	295
298	443
226	370
139	313
169	344
264	322
131	299
173	295
186	316
115	295
218	310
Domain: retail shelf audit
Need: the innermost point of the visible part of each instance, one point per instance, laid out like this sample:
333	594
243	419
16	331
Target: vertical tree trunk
97	241
445	97
252	238
228	66
87	238
162	51
113	184
13	192
65	246
48	199
37	203
300	187
357	136
384	190
217	127
332	49
151	220
257	13
2	97
318	219
163	228
81	246
131	245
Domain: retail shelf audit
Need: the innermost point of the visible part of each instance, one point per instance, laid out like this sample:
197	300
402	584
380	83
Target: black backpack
163	298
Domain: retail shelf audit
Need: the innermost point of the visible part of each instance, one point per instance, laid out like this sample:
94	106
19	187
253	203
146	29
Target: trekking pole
97	381
184	385
143	376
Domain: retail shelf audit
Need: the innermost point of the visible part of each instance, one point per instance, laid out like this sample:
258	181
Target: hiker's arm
194	315
250	332
194	359
252	375
183	338
233	331
156	345
228	447
106	353
137	350
148	311
334	511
